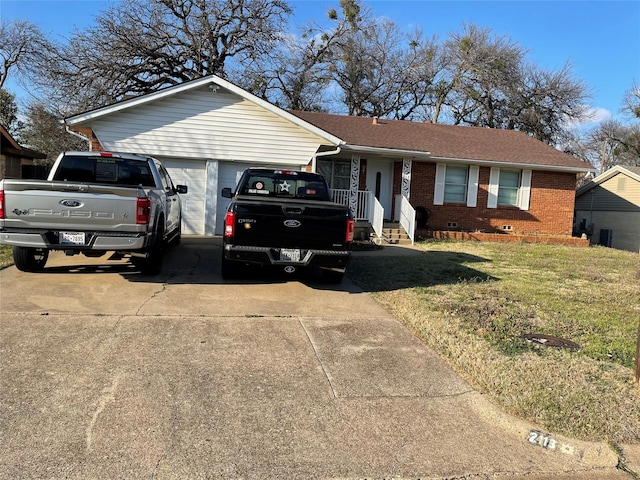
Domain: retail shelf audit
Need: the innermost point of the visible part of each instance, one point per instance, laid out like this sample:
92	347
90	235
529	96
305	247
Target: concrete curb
593	454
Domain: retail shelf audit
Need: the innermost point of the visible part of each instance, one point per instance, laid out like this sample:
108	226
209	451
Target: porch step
395	235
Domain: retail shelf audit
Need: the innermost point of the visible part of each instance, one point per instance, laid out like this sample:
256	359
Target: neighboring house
14	159
208	131
608	208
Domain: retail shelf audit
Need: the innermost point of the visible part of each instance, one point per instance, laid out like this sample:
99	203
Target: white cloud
594	116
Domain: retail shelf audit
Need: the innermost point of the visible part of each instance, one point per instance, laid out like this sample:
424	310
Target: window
104	170
508	186
336	172
455	184
284	184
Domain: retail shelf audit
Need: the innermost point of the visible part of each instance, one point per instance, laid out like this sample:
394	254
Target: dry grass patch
6	256
474	302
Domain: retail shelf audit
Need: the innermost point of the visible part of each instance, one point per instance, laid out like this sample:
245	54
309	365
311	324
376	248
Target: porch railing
377	217
363	206
407	217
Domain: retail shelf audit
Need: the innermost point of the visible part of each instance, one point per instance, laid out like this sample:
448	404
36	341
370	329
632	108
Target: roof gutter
524	166
394	152
79	135
314	159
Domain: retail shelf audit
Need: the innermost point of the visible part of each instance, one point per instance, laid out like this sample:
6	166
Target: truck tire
152	265
28	259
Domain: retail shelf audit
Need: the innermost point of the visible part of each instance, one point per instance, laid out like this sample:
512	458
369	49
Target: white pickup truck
91	203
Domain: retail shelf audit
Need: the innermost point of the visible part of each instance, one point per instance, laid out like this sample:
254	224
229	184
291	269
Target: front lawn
474	303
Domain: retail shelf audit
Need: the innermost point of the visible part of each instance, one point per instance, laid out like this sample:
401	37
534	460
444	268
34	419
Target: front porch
372	222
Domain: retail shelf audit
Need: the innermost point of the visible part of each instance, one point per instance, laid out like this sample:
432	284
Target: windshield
285	184
105	170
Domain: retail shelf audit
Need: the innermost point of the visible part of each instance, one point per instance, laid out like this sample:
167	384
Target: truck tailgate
290	224
69	206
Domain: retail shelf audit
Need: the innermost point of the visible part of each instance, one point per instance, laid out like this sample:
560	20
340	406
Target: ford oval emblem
292	223
71	203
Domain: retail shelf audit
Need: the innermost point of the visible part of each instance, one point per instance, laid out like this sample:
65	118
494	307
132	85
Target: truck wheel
30	259
332	276
152	265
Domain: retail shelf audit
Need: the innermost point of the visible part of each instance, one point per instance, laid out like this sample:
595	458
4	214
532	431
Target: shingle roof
443	141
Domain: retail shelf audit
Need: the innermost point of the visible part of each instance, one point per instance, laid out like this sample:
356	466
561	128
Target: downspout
322	154
79	135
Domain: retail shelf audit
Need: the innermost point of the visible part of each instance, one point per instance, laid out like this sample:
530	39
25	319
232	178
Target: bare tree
618	144
23	48
141	46
378	69
631	101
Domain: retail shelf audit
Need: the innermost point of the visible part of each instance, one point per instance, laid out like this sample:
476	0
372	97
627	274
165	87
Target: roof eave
524	166
388	151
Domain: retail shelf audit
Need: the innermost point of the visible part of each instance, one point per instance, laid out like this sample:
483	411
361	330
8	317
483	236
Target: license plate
71	238
290	255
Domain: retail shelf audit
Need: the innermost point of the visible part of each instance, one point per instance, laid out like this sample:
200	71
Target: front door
380	182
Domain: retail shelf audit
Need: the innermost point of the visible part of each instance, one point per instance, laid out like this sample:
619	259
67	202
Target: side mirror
181	189
226	192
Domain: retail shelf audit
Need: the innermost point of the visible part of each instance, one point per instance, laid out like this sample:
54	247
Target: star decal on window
284	187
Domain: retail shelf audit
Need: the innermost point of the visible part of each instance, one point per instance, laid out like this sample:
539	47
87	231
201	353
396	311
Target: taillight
229	224
2	204
351	225
143	210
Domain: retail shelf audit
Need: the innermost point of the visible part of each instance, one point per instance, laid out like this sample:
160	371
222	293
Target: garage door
193	174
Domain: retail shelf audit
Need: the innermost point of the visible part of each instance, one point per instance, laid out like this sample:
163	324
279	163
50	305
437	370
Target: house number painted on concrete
543	440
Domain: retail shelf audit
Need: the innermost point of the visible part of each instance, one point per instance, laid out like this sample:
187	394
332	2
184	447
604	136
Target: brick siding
550	209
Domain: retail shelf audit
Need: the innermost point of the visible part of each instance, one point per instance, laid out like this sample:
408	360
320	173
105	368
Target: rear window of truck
104	170
286	184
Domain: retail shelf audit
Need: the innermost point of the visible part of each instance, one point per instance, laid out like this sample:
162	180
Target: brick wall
550	210
95	144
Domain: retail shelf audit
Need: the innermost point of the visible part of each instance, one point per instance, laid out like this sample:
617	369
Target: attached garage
206	133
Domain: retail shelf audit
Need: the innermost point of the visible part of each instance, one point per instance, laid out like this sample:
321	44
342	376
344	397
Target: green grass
474	302
6	257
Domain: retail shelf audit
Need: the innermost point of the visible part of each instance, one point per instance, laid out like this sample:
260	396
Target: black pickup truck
285	219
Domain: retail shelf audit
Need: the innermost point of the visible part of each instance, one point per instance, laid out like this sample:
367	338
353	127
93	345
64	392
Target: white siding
202	125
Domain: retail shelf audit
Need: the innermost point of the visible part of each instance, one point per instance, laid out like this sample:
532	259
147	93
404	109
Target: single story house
15	159
209	130
608	208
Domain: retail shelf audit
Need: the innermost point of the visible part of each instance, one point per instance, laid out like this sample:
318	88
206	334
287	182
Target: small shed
607	208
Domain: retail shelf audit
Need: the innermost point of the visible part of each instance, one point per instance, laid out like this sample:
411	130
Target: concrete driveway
108	374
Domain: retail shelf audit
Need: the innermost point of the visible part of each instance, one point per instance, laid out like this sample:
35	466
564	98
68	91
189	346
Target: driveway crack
315	352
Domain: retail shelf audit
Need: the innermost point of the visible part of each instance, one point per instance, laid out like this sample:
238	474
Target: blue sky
600	39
